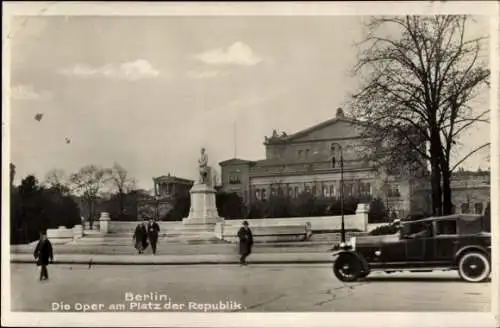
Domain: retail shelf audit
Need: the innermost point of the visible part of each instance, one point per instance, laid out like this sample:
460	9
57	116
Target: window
393	190
299	154
464	208
307	189
333	192
258	194
273	192
478	207
290	192
313	191
446	227
326	191
348	189
263	194
307	153
420	229
364	189
296	192
234	179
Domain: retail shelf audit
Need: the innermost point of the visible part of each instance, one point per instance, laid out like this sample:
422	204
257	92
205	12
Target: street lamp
332	148
157	213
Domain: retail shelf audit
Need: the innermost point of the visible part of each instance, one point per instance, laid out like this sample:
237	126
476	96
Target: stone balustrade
264	234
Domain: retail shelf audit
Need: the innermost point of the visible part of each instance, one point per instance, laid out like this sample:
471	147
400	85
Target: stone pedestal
203	212
104	222
200	224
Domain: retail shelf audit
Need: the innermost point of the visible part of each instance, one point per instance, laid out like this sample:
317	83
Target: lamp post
157	213
332	148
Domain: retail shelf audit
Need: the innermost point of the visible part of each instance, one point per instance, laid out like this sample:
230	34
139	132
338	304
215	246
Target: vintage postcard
225	164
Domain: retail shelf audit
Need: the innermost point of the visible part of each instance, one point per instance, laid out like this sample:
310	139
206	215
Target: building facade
309	161
470	191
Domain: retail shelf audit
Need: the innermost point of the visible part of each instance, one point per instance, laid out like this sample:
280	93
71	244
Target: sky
149	92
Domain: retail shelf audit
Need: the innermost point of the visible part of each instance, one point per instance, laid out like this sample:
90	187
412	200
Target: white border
354	319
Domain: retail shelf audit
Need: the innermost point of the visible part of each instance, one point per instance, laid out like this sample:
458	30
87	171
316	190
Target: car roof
462	217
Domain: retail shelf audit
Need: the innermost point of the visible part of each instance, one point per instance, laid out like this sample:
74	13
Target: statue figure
275	134
203	165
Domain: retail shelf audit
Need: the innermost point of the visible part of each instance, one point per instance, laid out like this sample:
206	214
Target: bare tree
120	180
57	178
417	94
88	182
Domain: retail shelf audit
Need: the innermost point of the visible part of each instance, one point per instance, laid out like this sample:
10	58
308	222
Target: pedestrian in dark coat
246	241
141	237
43	255
153	230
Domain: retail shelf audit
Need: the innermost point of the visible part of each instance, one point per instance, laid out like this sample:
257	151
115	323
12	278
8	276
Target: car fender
358	256
470	248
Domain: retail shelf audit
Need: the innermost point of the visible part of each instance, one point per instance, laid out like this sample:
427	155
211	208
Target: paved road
257	288
126	248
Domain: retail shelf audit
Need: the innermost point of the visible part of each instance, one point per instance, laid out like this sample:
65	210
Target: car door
419	248
415	248
446	241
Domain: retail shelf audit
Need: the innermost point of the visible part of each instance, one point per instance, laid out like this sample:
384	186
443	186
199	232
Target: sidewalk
149	259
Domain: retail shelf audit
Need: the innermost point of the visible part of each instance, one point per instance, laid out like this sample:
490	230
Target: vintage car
454	242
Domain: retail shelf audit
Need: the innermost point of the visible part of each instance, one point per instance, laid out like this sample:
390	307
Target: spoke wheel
347	268
474	267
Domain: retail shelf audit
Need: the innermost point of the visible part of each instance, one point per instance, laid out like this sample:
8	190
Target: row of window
326	191
234	179
478	208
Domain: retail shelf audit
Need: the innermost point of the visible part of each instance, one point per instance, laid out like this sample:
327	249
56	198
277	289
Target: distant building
167	189
303	162
470	191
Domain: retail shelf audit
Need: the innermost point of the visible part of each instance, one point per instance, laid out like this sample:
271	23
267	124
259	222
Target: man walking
43	255
153	230
246	241
141	237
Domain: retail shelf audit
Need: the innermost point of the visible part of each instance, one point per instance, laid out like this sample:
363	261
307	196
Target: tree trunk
122	203
437	204
447	203
91	217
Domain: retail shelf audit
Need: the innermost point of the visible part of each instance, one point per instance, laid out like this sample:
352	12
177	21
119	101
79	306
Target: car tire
347	268
364	274
468	267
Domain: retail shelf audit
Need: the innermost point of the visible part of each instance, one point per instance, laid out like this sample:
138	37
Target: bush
378	212
230	205
386	229
35	209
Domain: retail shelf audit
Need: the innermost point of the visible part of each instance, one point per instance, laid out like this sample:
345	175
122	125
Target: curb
174	263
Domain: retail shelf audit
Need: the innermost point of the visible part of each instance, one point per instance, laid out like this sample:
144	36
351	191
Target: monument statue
203	165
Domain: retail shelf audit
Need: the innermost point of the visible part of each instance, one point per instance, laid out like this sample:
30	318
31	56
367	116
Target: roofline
174	178
245	161
314	127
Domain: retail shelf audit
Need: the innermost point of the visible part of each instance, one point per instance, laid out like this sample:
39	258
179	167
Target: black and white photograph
185	163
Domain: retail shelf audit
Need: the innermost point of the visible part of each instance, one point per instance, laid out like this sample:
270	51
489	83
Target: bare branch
469	155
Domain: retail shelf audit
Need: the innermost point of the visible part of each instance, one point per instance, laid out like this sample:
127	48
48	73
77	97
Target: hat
245	223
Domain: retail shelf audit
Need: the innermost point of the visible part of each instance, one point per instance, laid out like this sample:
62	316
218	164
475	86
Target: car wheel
474	267
347	268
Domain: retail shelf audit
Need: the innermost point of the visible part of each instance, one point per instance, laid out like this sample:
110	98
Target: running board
413	269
